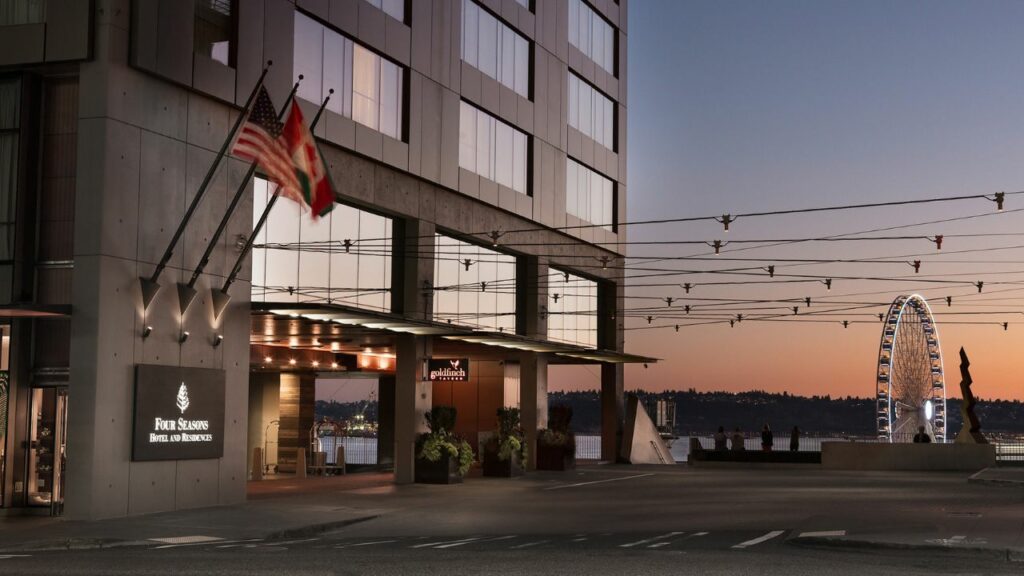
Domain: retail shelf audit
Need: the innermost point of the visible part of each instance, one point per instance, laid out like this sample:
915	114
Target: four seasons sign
179	413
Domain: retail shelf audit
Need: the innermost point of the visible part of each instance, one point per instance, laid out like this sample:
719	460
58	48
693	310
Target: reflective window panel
342	258
492	148
591	112
592	34
589	195
495	49
474	286
367	87
572	309
214	30
393	8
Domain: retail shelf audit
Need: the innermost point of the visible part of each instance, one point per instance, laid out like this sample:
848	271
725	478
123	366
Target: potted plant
505	452
441	456
556	444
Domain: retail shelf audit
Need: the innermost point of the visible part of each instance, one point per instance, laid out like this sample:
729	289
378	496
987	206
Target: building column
612	411
386	420
413	399
412	280
533	401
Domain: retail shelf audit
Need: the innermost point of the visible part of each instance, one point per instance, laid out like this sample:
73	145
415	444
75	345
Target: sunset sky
747	106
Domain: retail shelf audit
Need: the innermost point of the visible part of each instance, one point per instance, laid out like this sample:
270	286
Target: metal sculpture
970	432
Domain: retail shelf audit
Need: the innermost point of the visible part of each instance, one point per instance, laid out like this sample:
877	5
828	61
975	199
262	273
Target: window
393	8
591	112
524	3
572	309
342	258
15	12
589	195
592	34
481	294
492	149
10	96
215	30
495	49
367	88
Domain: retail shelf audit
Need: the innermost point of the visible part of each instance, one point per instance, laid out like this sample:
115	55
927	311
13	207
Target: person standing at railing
721	440
794	439
767	439
737	440
922	437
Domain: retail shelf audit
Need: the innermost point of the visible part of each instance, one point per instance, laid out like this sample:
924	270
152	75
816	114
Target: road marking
443	542
287	542
759	539
598	481
957	538
659	544
697	534
579	539
186	539
456	544
822	534
240	543
9	556
373	543
528	544
501	538
649	540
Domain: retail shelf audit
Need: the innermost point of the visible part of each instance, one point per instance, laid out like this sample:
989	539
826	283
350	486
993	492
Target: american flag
261	141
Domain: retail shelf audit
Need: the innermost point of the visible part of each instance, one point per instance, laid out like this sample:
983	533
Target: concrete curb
314	529
1007	554
1003	482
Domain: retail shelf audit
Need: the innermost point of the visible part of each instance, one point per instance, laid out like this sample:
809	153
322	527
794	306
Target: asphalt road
611	520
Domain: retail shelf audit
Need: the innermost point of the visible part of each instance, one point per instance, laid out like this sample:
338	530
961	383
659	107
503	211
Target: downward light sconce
146	332
184	336
217	339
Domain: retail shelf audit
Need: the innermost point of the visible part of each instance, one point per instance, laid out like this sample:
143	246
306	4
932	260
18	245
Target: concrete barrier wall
884	456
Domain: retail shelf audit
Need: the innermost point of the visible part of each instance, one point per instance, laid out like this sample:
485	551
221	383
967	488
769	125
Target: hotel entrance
47	448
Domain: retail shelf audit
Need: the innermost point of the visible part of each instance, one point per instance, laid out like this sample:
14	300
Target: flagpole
221	297
187	292
150	286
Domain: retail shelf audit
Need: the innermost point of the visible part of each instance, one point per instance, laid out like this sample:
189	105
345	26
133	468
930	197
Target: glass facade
215	30
572	309
495	49
592	34
10	96
342	258
367	87
15	12
589	195
474	286
492	149
393	8
591	112
5	394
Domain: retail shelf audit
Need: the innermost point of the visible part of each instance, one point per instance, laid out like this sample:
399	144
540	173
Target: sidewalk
318	505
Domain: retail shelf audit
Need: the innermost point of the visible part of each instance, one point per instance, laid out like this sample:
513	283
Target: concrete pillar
413	398
386	420
533	401
612	411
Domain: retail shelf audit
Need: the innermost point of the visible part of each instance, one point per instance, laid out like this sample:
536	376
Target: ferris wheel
911	385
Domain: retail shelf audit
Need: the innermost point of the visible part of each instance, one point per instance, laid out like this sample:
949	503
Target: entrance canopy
347	330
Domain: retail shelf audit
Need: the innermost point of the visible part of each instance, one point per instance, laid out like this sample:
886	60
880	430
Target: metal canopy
396	324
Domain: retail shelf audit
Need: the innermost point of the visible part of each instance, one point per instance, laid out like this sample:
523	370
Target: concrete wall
885	456
144	145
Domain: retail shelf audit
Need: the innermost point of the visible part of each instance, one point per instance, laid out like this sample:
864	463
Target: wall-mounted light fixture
184	336
147	331
217	339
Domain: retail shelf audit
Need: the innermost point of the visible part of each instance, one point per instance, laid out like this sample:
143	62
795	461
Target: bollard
339	459
257	464
300	463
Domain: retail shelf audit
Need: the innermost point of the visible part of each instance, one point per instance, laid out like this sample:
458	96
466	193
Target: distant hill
704	412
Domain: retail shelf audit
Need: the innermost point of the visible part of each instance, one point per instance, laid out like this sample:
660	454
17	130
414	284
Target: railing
358	450
588	447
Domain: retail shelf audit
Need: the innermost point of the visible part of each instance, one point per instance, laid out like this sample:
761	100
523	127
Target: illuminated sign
448	370
179	413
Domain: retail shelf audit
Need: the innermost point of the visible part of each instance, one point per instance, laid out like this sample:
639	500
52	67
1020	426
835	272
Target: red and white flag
310	170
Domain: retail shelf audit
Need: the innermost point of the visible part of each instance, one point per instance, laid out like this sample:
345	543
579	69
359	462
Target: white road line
694	535
499	538
287	542
240	543
186	539
9	556
442	542
528	544
456	544
649	540
822	534
659	544
598	481
373	543
759	539
579	539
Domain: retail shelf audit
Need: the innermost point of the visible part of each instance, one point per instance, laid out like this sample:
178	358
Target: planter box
493	466
558	458
444	471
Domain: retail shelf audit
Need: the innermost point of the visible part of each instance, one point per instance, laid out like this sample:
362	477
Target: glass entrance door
47	444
